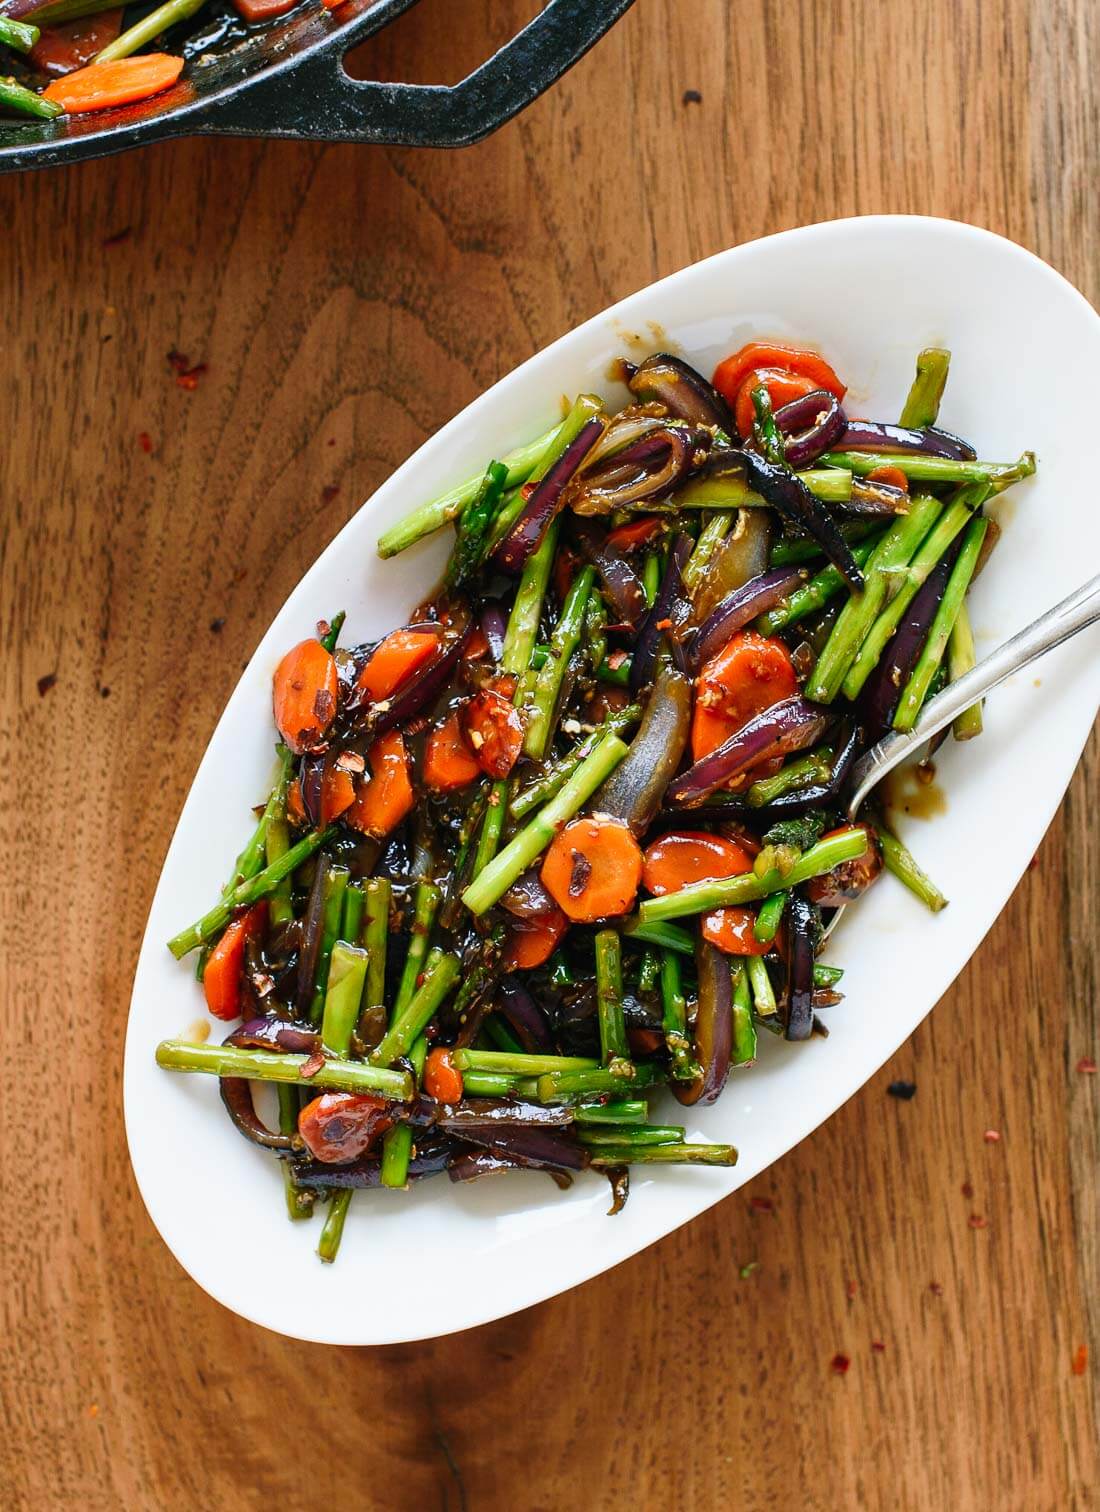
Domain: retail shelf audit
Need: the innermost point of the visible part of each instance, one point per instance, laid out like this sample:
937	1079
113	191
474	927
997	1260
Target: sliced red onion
274	1034
669	608
647	468
800	967
311	937
871	435
636	788
883	689
621	583
524	1016
237	1096
628	426
812	425
791	725
311	771
713	1028
741	607
821	794
545	501
684	392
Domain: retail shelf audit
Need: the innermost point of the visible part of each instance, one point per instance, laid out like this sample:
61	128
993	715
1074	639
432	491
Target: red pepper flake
145	441
1086	1066
967	1189
46	683
839	1364
976	1221
312	1066
664	624
878	1346
935	1288
850	1290
992	1136
761	1205
117	237
615	660
329	492
1080	1360
420	979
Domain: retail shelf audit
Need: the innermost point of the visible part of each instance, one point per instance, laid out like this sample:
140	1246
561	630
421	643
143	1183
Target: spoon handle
1075	613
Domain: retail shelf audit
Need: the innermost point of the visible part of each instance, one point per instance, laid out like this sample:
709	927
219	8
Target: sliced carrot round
634	533
304	695
449	764
122	81
221	977
731	930
782	388
592	868
750	674
442	1080
394	660
494	729
891	475
732	371
337	793
387	796
681	857
531	942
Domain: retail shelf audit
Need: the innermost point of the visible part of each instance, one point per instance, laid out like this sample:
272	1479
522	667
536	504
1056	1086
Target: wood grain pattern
347	303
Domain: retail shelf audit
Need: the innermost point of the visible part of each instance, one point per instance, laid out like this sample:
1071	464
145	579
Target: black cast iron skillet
288	80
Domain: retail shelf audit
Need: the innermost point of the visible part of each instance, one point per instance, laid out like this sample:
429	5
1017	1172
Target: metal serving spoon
1075	613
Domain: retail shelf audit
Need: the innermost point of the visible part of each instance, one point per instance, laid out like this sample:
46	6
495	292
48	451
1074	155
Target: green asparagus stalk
928	663
789	550
252	857
701	897
649	973
595	629
489	1084
674	1022
898	859
473	526
939	538
812	596
440	974
609	998
397	1142
667	936
629	1111
257	887
275	1066
768	917
960	659
425	908
492	825
713	533
631	1136
299	1202
919	468
826	976
135	37
893	551
651	577
744	1029
333	1231
764	427
346	975
563	642
373	937
923	404
332	635
355	902
496	1029
763	994
335	887
25	102
832	485
506	1063
567	1086
665	1154
20	36
804	772
523	849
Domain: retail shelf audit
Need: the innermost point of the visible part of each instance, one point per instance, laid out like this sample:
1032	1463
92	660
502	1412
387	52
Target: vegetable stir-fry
572	835
70	57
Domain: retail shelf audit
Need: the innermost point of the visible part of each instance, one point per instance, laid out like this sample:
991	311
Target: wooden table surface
347	302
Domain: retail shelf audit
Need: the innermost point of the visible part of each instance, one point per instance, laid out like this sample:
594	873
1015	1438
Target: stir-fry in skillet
571	833
73	56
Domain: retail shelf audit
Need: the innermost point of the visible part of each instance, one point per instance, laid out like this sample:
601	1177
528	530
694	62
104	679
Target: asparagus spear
768	917
506	1063
789	550
960	659
763	994
635	1136
523	849
667	936
257	887
563	642
440	974
923	403
920	468
20	36
629	1111
335	886
674	1023
651	577
565	1086
346	976
931	656
355	902
713	533
614	1050
764	427
69	10
489	1084
832	485
744	1029
24	101
701	897
397	1142
813	595
826	976
892	552
425	907
473	526
135	37
804	772
665	1154
375	932
496	1029
898	860
332	634
931	549
595	629
251	858
276	1066
299	1202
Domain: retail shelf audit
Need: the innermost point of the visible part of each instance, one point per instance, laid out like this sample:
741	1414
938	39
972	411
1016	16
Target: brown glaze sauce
913	790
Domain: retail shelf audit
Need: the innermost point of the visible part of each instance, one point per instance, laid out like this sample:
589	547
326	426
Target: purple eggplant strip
274	1034
882	690
488	1114
870	435
635	790
524	1016
493	625
237	1097
789	726
311	938
421	690
684	392
430	1157
535	1148
713	1028
800	967
477	1163
669	607
785	491
740	608
874	500
822	794
621	583
810	425
545	501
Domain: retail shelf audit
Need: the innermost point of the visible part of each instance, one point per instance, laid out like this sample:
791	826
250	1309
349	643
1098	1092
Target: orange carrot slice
395	660
387	796
304	695
449	764
119	82
592	869
681	857
221	977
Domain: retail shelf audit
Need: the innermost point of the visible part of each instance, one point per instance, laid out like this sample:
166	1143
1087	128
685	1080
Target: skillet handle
315	99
